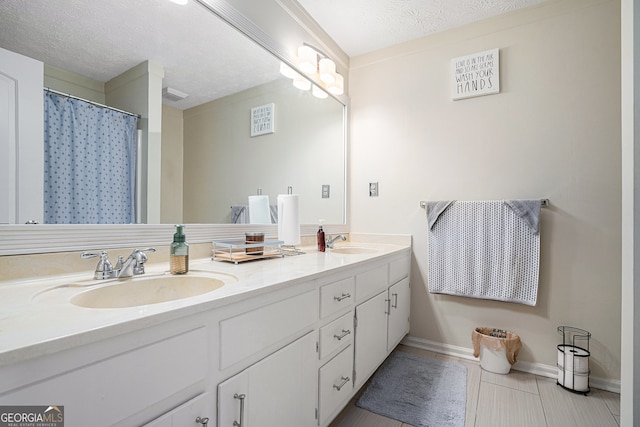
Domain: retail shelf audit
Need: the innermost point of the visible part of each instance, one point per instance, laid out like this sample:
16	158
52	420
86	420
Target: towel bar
543	202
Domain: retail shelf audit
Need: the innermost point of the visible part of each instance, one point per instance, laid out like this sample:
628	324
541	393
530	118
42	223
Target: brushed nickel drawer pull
395	301
345	332
241	398
341	297
342	384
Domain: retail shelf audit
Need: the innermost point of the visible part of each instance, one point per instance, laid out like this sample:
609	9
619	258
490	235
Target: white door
370	336
400	301
280	390
21	138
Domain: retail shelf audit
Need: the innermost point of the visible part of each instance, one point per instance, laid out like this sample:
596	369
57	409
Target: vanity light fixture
301	83
319	67
318	93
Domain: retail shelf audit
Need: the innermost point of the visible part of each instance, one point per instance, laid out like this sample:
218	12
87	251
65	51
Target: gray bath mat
418	391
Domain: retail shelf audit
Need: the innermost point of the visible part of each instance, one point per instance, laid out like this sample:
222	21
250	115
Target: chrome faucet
134	264
104	270
330	241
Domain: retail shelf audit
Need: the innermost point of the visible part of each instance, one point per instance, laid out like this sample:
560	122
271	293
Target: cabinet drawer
371	282
256	330
336	334
336	296
399	269
336	383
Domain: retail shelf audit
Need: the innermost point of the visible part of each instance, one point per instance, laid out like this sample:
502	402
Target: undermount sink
353	250
144	290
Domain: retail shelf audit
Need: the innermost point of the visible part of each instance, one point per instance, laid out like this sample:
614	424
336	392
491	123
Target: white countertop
37	318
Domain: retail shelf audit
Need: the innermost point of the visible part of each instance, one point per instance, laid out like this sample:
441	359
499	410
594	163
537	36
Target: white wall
553	132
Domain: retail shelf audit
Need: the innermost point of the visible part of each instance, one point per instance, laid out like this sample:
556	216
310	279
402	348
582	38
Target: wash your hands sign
475	75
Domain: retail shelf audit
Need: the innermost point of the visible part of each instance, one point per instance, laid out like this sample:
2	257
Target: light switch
373	189
326	189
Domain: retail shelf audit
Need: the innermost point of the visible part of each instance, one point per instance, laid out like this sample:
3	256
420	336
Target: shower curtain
90	163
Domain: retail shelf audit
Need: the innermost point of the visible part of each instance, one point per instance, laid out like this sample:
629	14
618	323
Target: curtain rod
543	203
97	104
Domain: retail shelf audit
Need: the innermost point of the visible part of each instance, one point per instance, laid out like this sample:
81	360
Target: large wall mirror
200	157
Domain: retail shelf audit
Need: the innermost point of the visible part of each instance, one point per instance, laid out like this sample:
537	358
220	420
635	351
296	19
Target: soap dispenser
321	241
179	252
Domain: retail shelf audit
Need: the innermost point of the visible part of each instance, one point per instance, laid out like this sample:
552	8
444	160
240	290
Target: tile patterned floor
517	399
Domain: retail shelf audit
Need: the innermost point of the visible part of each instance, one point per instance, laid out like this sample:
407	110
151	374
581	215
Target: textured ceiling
202	56
362	26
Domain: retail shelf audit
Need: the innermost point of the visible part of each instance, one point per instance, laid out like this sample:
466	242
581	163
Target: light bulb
337	87
287	71
307	60
327	70
318	93
301	83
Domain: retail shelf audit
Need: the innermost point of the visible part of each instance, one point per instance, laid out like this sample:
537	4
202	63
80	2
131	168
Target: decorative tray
238	251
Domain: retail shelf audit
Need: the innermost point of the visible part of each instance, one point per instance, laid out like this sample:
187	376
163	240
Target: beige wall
553	132
231	165
172	166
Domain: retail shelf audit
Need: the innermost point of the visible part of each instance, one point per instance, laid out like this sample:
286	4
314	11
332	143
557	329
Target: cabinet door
281	389
232	400
199	407
371	336
400	301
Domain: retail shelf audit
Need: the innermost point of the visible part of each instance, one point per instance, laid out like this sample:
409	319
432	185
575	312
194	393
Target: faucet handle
142	257
104	270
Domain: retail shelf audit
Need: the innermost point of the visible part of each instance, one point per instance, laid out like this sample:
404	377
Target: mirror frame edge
23	239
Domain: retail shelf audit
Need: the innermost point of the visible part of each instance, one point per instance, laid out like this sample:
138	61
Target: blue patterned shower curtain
89	163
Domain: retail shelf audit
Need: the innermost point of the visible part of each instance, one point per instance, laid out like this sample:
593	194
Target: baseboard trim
528	367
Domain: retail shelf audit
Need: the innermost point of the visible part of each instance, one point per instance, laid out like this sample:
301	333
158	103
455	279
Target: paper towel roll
573	358
259	212
289	219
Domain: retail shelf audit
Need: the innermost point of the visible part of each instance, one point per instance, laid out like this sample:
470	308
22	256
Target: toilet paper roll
289	219
574	359
572	380
259	212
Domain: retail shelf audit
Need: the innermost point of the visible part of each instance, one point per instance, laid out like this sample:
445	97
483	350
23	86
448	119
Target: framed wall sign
262	119
475	75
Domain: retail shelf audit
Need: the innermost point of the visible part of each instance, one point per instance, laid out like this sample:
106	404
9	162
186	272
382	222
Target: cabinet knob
204	421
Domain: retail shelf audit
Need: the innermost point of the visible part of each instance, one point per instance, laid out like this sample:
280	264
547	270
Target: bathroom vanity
283	342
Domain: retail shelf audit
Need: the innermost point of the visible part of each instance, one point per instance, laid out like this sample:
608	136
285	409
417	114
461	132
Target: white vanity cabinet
290	355
279	390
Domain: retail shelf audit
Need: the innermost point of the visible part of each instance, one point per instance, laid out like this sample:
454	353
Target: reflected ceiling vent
173	94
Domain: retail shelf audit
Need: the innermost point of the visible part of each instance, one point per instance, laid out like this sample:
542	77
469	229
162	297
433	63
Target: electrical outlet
373	189
326	190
